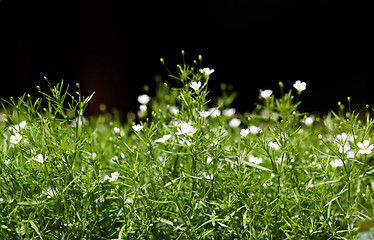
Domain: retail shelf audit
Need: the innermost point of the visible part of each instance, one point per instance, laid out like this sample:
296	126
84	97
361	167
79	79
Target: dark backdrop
114	47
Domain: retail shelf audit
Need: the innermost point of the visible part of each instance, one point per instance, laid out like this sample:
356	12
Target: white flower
244	132
114	176
49	192
195	85
214	112
255	160
186	129
174	110
39	158
143	99
308	121
229	112
7	161
336	163
209	159
137	127
116	130
15	138
266	93
163	139
18	127
273	146
300	86
365	147
143	108
254	130
206	71
235	122
204	114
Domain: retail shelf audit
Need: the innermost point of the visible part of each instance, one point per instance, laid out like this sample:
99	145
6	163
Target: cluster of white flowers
252	129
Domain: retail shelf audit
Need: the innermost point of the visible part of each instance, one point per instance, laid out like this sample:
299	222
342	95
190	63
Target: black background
114	47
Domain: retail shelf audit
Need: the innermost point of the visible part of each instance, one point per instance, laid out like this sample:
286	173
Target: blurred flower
16	128
204	114
114	177
195	85
308	121
300	86
365	147
174	110
15	138
39	158
273	146
143	99
137	127
163	139
143	108
214	112
229	112
116	130
336	163
235	122
266	93
254	130
255	160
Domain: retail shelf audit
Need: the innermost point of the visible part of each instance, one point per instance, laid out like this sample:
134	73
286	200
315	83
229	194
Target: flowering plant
184	171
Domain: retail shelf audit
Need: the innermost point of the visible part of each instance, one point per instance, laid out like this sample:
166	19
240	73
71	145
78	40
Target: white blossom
137	127
336	163
39	158
174	110
15	138
113	177
273	146
195	85
116	130
308	121
206	71
255	160
214	112
244	132
186	129
254	130
300	86
229	112
235	122
143	99
204	114
143	108
365	147
163	139
266	93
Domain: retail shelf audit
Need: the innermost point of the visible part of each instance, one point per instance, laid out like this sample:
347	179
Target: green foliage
184	169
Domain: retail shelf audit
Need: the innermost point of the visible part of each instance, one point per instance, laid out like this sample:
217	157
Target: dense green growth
185	168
